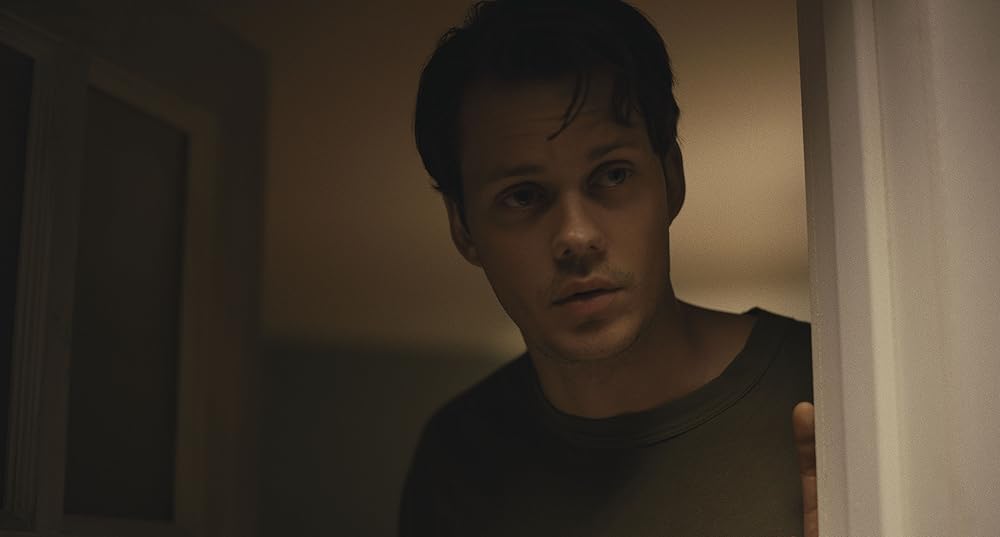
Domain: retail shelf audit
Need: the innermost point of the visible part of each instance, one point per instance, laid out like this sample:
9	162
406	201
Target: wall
362	287
338	428
356	246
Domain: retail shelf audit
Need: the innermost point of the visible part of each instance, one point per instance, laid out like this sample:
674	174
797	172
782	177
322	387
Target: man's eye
612	177
522	197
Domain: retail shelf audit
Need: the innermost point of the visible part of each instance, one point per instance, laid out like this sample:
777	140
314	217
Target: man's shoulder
789	331
787	346
797	335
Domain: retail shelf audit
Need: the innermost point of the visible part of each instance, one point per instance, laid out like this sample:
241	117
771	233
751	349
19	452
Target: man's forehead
535	111
541	129
511	125
535	103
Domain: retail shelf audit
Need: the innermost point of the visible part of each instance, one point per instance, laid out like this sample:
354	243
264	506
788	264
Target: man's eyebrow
515	171
529	169
602	150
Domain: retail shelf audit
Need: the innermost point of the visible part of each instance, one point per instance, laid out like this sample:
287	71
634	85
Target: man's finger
804	429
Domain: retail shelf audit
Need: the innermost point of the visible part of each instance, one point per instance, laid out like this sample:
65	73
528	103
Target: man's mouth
583	290
584	295
589	303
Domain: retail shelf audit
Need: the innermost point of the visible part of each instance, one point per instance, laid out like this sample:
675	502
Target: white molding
854	352
197	302
215	491
902	133
45	267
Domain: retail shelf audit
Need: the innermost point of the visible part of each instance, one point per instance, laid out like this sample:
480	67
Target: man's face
571	232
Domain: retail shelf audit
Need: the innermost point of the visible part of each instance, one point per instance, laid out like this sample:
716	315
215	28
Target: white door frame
902	136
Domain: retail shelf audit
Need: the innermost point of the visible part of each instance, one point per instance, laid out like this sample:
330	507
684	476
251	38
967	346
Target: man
549	127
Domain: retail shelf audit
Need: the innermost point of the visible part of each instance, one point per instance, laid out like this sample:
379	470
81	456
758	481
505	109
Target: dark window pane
15	104
123	376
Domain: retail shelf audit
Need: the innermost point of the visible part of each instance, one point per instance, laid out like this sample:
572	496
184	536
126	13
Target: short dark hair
541	40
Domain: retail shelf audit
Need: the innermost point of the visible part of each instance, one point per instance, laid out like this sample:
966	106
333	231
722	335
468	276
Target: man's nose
578	233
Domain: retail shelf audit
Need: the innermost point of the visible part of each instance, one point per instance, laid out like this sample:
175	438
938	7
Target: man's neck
682	350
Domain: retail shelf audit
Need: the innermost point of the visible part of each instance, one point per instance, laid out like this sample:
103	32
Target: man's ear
673	170
460	234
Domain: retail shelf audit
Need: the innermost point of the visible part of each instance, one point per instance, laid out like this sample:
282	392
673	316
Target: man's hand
804	429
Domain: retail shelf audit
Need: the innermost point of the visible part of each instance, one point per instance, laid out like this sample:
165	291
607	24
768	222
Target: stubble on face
501	129
603	353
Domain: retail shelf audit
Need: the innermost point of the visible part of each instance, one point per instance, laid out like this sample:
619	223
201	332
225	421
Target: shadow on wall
338	430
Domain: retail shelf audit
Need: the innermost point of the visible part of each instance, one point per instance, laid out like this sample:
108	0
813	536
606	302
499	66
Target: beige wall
374	320
357	251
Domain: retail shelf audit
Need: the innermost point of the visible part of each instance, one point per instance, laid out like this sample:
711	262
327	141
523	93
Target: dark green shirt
500	460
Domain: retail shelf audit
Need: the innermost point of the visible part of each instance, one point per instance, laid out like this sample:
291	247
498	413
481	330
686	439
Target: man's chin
590	346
